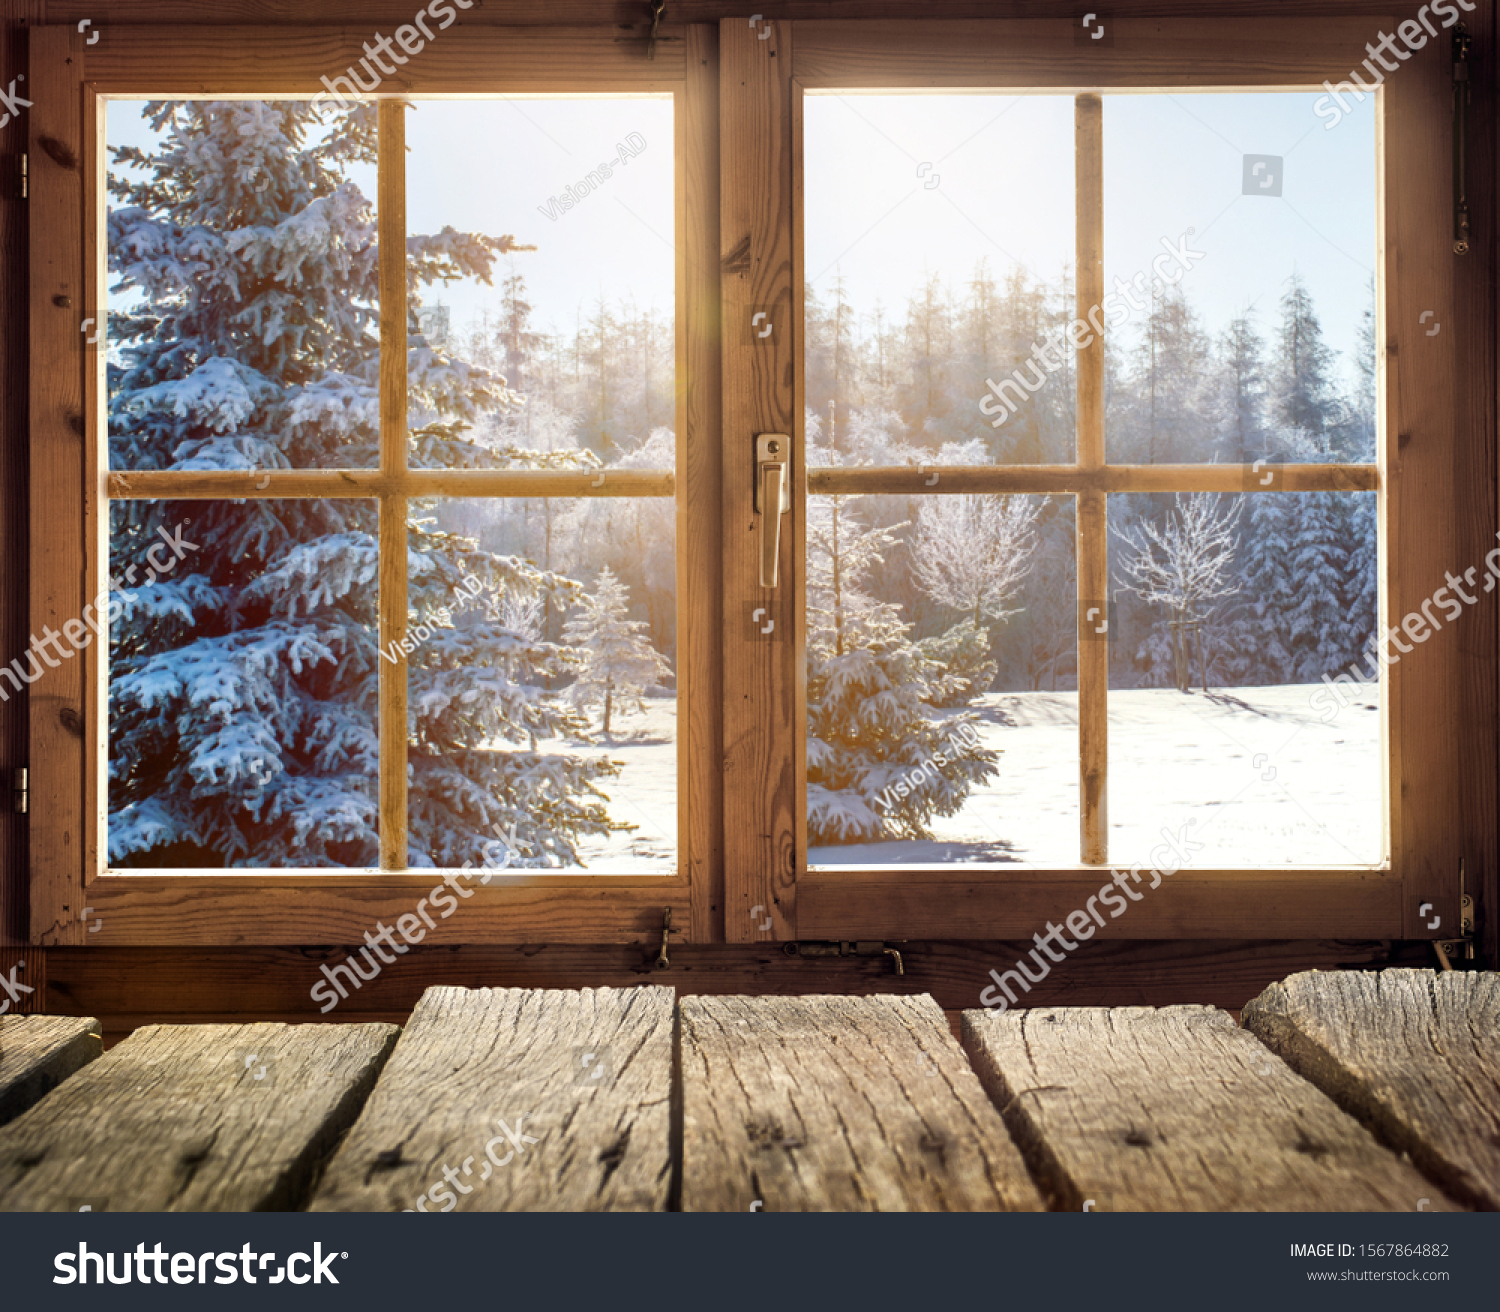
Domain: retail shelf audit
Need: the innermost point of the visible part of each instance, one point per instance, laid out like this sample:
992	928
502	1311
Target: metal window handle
773	498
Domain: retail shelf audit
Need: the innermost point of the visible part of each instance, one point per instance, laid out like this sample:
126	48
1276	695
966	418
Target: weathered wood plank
599	1129
1176	1109
199	1118
836	1103
1412	1054
37	1053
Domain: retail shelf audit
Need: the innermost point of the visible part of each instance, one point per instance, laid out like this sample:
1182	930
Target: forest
243	709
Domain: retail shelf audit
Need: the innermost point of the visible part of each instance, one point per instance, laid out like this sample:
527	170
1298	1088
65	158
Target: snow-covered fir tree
617	662
872	725
244	688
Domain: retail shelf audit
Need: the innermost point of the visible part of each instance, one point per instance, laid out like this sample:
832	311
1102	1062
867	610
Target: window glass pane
1245	705
1239	263
941	680
243	683
243	292
938	256
541	666
542	289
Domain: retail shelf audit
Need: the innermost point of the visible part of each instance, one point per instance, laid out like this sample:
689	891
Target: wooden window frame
1435	499
741	709
74	898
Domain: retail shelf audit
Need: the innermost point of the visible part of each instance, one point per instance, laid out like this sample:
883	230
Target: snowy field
1264	781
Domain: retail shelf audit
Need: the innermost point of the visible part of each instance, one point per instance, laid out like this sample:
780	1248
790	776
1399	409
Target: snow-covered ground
1263	779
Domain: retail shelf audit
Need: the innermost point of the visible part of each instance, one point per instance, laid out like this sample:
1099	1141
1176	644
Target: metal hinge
20	790
25	175
860	949
1462	949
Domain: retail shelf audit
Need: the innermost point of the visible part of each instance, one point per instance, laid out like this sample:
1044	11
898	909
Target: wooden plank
1091	514
1198	51
700	460
131	987
760	677
272	484
201	1118
201	907
464	60
1416	268
1091	507
394	731
837	1104
1070	479
627	14
518	1056
56	756
841	903
1176	1110
37	1053
15	622
1412	1054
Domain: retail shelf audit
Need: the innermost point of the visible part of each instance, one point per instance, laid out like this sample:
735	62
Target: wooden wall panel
635	14
127	987
14	620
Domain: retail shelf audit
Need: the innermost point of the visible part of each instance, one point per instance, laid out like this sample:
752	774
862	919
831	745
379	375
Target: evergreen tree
1242	392
870	695
244	689
616	661
1306	399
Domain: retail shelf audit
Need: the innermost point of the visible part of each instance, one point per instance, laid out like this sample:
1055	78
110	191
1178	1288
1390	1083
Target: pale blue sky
1003	167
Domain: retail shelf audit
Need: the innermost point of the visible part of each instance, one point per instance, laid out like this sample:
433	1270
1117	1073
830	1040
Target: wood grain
201	907
469	1059
842	903
133	986
58	560
393	602
367	15
174	1119
273	484
15	526
1091	512
959	480
760	677
1417	269
837	1104
1175	1110
465	60
37	1053
1199	50
700	462
1414	1055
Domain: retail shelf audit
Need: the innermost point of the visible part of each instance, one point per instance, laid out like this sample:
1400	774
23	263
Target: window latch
773	498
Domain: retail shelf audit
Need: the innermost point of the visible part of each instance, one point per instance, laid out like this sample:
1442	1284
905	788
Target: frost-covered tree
870	696
244	707
616	660
970	553
1184	565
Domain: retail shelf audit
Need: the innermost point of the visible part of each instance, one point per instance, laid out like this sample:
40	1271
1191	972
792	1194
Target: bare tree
1184	566
971	553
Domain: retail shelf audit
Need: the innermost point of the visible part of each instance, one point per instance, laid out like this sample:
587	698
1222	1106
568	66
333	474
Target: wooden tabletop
1345	1091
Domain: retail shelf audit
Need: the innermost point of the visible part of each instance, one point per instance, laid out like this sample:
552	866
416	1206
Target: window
435	519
